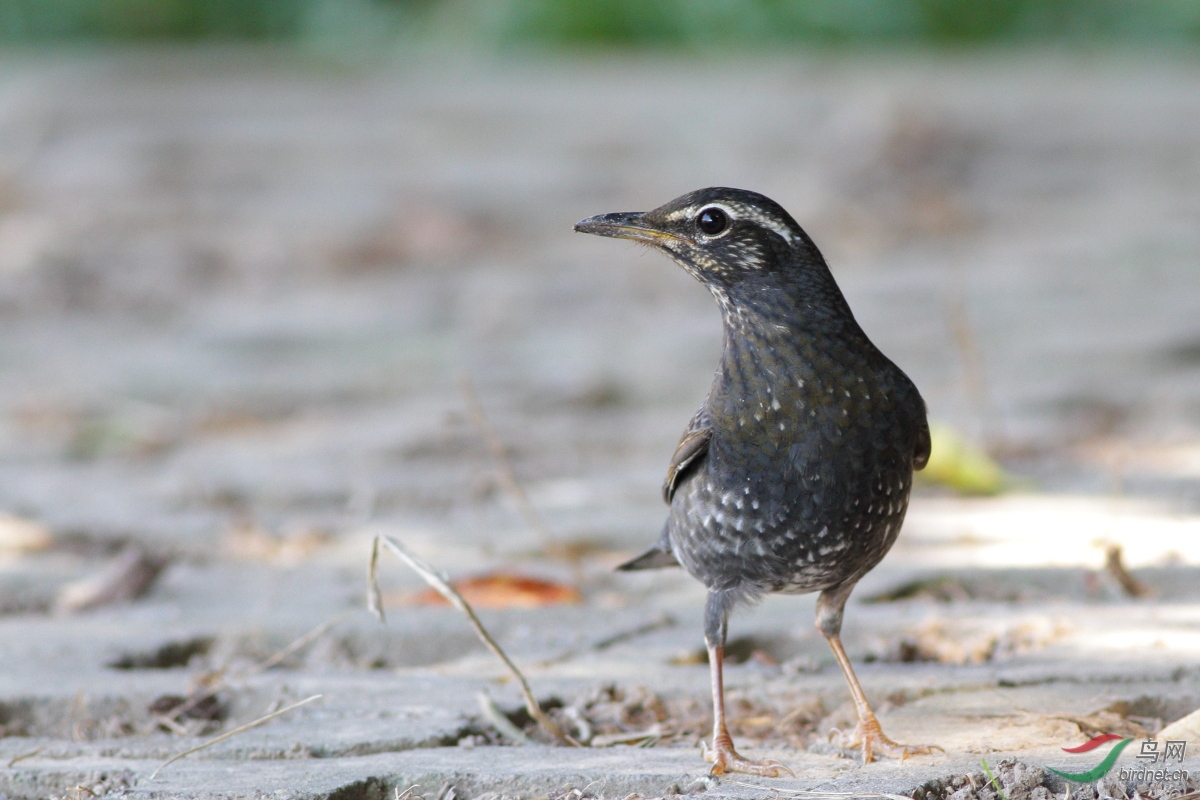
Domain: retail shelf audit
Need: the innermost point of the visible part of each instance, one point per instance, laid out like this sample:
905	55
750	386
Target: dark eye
712	221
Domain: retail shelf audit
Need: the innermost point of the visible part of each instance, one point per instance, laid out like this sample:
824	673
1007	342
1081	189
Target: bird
794	474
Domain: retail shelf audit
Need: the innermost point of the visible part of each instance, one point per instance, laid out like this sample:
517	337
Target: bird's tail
654	558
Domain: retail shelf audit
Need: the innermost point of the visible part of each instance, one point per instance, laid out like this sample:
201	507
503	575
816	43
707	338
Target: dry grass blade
168	722
504	470
27	754
308	638
234	732
443	587
663	621
628	737
499	721
974	373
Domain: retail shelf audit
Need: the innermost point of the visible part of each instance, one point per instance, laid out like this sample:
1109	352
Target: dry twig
234	732
443	587
1116	567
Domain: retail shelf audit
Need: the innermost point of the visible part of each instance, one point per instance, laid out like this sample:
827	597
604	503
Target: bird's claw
725	759
869	737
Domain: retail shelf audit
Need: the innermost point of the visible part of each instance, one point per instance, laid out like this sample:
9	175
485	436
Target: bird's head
721	236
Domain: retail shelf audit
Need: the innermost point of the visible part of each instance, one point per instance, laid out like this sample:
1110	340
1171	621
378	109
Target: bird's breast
802	442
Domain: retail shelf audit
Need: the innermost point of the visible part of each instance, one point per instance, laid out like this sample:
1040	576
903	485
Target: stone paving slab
612	772
527	772
1021	706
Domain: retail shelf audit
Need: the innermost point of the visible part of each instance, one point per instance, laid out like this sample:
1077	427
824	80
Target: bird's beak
624	225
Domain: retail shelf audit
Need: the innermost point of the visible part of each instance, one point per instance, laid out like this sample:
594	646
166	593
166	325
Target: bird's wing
689	453
924	445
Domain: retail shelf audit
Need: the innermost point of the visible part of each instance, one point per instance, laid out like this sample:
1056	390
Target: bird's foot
870	738
725	759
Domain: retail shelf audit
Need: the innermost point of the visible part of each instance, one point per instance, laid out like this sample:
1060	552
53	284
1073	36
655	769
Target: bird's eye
712	221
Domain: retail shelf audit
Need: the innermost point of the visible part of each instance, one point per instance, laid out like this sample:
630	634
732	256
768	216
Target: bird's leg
722	756
868	735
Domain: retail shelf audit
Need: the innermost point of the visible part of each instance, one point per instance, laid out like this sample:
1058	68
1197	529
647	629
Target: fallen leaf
127	578
497	590
955	462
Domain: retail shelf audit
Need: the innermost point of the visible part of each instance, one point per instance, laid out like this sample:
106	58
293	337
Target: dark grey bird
794	475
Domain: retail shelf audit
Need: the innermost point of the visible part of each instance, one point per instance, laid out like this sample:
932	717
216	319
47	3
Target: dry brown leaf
497	590
127	578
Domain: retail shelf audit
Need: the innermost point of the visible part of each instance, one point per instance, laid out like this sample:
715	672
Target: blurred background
248	251
275	276
741	24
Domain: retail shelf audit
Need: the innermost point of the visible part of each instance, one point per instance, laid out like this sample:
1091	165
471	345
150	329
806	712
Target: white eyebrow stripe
741	212
784	232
